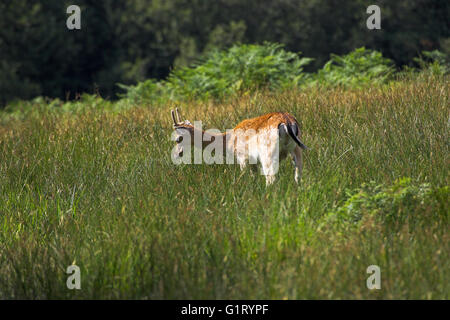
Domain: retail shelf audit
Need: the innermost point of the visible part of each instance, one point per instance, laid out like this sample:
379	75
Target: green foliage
130	41
245	68
40	106
40	56
393	205
436	62
359	67
240	69
144	92
13	86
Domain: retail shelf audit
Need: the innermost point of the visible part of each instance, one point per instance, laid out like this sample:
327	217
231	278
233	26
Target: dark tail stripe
290	130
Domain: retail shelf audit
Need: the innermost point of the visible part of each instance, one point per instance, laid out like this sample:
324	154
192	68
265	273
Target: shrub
147	91
223	73
436	62
241	68
359	67
392	205
245	68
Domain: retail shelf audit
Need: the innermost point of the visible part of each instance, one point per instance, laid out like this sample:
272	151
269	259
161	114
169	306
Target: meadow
91	183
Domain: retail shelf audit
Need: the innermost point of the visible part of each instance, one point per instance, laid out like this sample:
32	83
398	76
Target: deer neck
207	137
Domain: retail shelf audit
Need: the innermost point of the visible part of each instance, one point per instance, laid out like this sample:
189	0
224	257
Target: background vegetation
131	41
91	183
89	180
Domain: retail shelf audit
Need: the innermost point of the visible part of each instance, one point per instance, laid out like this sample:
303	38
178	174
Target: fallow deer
266	139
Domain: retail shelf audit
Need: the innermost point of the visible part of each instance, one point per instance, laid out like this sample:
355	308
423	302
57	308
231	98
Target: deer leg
269	166
241	160
298	163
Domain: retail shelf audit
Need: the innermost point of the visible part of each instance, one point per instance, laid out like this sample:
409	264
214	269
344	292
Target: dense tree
129	41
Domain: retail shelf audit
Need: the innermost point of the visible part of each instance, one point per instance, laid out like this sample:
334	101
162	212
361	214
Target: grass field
95	186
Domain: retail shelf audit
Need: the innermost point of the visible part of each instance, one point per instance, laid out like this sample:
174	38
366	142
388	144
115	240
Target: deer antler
173	117
178	115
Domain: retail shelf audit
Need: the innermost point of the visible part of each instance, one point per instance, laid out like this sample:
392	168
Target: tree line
130	41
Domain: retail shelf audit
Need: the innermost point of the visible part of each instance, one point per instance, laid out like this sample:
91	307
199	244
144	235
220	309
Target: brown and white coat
266	140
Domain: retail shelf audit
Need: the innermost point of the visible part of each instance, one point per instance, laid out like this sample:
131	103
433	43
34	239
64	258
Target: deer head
183	129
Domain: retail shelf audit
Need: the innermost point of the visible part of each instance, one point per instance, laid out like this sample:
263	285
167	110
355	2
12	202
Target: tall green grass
97	188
